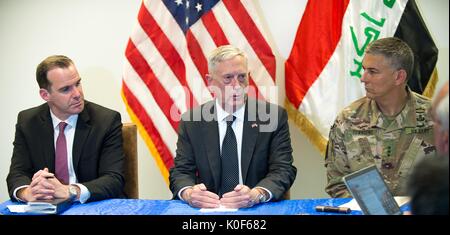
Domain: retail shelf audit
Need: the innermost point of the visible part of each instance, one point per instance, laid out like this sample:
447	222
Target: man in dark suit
67	147
232	151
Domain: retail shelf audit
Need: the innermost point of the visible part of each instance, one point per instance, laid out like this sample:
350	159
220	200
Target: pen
335	209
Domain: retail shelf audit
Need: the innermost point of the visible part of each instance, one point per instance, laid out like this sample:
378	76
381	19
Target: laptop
368	188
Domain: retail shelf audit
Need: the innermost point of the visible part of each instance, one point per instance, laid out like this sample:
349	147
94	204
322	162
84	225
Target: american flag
166	62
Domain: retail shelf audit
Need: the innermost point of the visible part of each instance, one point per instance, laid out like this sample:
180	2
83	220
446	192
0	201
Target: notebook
371	192
56	206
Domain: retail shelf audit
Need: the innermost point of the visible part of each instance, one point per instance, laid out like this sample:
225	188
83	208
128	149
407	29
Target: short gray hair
399	54
442	113
222	53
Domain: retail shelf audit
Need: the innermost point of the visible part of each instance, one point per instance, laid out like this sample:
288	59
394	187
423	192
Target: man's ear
401	77
44	94
209	79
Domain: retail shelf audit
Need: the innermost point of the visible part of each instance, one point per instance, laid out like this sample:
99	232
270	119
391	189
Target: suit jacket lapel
249	136
47	138
81	133
210	133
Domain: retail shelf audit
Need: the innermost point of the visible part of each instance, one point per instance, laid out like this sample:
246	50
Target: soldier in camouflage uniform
390	127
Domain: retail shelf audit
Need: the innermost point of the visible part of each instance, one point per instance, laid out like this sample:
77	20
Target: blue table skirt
177	207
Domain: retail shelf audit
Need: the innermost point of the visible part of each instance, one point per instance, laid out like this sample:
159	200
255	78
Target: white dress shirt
238	128
69	133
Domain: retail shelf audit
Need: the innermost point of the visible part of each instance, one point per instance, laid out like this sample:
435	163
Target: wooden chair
129	134
287	195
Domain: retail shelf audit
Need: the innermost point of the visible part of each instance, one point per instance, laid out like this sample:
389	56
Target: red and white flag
166	63
323	71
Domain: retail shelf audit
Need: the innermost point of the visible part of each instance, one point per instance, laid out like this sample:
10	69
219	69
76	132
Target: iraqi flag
324	68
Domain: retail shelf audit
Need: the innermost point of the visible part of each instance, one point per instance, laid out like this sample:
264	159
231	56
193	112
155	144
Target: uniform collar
406	118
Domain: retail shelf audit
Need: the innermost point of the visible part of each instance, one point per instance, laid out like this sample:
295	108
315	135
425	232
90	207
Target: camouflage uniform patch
361	136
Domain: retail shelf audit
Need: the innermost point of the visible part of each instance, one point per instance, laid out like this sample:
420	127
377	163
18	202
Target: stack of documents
42	207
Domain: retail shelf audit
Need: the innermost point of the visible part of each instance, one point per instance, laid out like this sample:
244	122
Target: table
177	207
178	217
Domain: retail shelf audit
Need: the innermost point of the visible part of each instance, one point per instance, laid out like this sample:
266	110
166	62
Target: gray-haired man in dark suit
233	151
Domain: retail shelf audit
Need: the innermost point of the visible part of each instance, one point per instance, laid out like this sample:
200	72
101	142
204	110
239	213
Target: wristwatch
73	192
261	197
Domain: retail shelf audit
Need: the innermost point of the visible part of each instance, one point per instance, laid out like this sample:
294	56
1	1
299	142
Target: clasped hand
242	196
44	186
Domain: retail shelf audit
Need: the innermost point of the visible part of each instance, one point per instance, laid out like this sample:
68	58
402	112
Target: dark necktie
229	159
62	169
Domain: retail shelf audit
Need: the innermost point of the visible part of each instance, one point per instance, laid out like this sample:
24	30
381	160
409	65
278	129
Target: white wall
94	34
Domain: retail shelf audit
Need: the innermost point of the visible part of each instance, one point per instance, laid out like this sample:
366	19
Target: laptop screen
371	192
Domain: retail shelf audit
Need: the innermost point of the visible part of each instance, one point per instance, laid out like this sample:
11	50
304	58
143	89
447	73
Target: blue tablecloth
177	207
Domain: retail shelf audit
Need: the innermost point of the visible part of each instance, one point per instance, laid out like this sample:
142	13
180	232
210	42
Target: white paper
33	207
17	208
402	200
219	209
353	205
